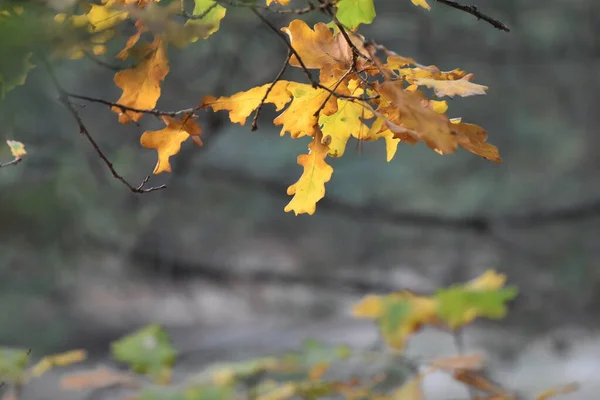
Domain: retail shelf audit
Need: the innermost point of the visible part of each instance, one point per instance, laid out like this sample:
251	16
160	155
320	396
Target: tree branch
476	13
12	162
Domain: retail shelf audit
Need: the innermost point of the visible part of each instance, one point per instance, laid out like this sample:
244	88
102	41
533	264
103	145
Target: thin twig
124	108
12	162
262	102
475	12
64	98
199	16
296	11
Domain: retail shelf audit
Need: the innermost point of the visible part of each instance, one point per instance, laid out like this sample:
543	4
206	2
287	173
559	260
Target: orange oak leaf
428	72
141	85
299	119
473	138
411	117
167	141
310	188
133	39
321	49
462	87
242	104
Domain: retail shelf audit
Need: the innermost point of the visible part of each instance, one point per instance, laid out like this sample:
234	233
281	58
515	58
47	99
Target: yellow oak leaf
321	49
310	188
421	3
242	104
167	141
430	72
411	117
462	87
107	15
376	132
473	138
345	122
489	280
141	85
299	119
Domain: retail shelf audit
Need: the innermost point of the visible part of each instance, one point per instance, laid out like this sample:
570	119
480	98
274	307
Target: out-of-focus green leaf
13	363
147	351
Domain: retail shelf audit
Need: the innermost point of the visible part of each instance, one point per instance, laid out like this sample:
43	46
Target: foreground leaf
12	364
212	14
58	360
461	87
167	141
310	188
147	351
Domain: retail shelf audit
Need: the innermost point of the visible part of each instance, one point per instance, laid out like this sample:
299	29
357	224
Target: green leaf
459	305
12	364
395	312
214	14
147	351
352	13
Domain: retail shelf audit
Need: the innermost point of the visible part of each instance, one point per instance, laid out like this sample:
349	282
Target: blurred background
230	275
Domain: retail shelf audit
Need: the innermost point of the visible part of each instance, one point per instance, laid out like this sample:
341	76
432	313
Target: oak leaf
167	141
347	121
462	87
16	148
352	13
97	378
321	49
242	104
141	85
299	118
411	117
132	40
473	138
310	188
376	132
212	13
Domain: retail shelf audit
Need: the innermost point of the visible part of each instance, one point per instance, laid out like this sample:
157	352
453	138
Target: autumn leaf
352	13
310	188
167	141
107	15
242	104
133	39
141	85
411	117
16	148
472	362
97	378
376	132
347	121
421	3
473	138
299	119
57	360
321	49
461	87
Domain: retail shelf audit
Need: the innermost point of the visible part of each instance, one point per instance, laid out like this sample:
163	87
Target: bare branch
475	12
262	102
12	162
64	98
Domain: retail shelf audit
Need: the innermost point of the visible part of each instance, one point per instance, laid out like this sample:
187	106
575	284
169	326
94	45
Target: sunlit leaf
352	13
461	87
13	363
58	360
16	148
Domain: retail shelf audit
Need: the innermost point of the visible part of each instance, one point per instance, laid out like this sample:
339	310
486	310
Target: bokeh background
230	275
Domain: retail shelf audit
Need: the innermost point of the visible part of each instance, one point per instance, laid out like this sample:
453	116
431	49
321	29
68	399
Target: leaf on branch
13	363
411	117
352	13
167	141
376	132
58	360
347	121
141	85
16	148
133	39
212	13
310	188
242	104
473	138
462	87
107	15
299	118
320	49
